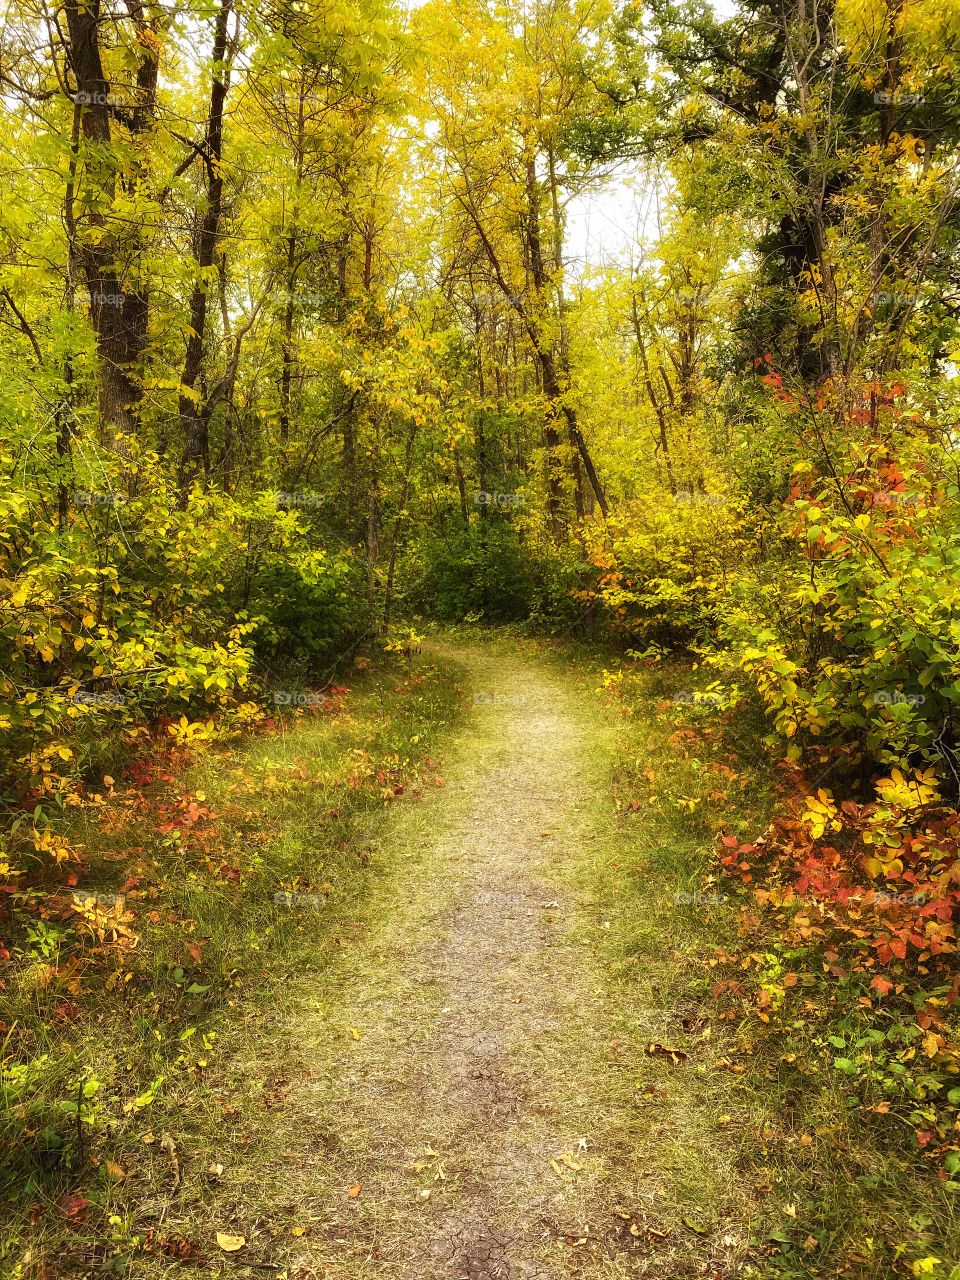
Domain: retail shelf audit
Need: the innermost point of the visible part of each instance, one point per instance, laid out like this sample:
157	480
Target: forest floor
425	987
466	1093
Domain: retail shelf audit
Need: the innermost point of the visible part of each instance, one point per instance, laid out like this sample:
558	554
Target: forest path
463	1104
463	1085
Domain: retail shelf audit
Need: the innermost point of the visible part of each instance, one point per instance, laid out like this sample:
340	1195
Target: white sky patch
608	225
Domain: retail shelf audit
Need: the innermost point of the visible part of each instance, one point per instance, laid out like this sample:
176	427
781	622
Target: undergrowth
197	883
839	1051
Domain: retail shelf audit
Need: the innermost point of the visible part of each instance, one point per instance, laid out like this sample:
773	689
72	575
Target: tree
503	103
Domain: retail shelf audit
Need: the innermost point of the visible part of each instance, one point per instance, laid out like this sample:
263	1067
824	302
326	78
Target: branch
24	323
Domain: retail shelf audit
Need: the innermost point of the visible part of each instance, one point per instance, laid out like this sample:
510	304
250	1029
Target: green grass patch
196	887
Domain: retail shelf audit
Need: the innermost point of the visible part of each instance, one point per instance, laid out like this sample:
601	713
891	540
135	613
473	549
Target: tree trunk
196	443
286	371
395	533
551	389
118	309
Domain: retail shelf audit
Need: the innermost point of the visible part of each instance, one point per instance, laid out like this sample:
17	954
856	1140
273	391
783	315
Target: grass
134	1025
836	1189
728	1142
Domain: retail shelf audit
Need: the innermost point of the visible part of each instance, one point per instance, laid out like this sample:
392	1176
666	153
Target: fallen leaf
354	1191
168	1145
230	1244
675	1055
73	1206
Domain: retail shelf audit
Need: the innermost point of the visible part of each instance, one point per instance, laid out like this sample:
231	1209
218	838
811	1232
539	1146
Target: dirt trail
463	1076
454	1089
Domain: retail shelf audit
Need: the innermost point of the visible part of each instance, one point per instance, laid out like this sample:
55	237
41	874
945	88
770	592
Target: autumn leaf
74	1207
932	1044
230	1243
675	1055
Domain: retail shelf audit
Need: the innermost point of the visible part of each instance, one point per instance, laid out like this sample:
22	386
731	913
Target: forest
480	639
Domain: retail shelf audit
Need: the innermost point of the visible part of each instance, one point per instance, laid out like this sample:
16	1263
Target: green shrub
312	607
483	571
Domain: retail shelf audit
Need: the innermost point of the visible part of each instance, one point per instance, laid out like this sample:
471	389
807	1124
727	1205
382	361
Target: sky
607	225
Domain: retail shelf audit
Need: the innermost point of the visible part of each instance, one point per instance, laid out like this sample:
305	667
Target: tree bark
196	442
118	303
551	389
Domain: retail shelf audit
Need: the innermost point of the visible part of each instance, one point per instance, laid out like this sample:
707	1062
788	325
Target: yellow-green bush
665	565
128	604
850	630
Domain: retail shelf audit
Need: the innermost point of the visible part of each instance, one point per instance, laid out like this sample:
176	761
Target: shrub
850	632
131	605
480	571
665	566
311	607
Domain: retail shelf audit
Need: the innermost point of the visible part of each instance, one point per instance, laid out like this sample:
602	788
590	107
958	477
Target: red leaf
73	1206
